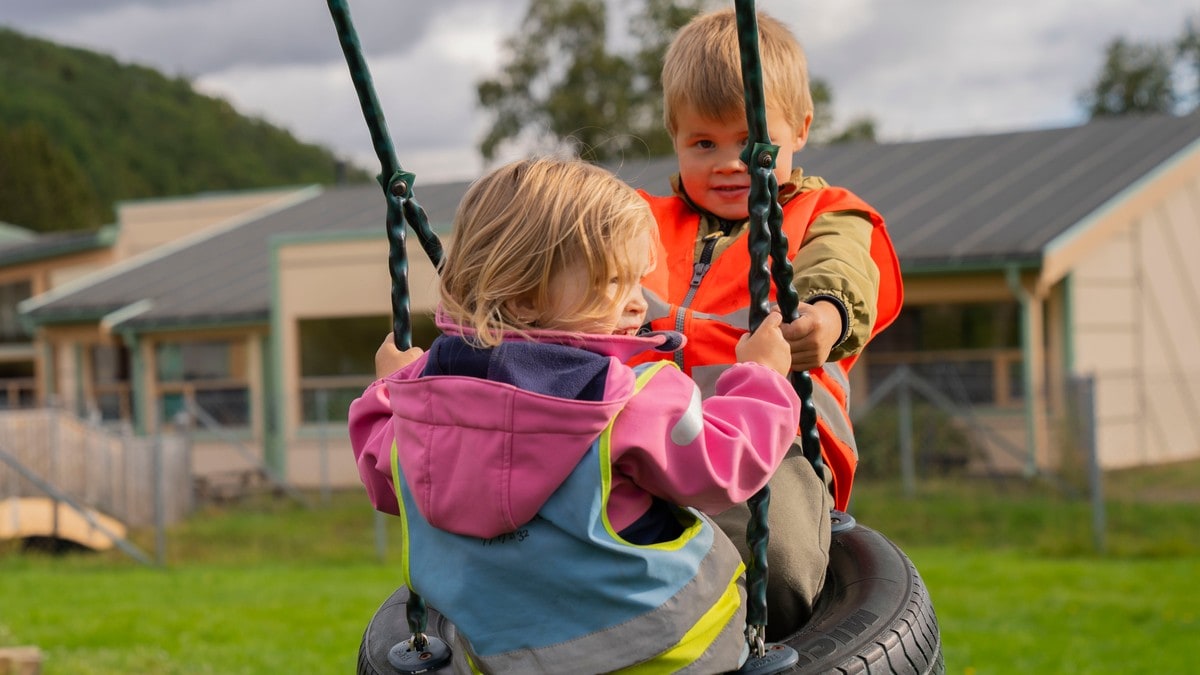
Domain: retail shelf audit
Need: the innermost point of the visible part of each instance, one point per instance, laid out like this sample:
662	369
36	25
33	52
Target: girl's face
570	289
710	166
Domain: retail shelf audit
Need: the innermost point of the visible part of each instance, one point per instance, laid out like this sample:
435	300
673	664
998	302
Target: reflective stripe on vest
564	592
718	312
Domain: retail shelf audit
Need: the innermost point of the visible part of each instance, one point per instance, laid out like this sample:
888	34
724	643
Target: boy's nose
731	163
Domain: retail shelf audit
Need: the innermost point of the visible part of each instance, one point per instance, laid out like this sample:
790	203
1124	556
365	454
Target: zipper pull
700	267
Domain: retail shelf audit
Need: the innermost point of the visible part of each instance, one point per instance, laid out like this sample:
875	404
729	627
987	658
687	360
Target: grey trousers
798	549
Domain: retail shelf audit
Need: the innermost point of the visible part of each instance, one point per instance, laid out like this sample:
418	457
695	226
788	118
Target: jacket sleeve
712	453
835	262
371	436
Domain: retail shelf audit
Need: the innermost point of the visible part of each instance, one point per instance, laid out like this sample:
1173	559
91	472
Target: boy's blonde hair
703	70
522	223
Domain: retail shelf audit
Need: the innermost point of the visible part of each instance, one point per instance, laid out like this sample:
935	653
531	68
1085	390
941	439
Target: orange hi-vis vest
709	302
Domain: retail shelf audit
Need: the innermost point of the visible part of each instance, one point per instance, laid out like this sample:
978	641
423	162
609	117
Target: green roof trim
945	267
46	246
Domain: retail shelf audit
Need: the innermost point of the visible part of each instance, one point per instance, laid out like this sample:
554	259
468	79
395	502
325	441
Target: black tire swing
874	613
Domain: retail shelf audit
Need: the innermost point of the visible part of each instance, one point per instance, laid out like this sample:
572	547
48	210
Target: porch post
1032	367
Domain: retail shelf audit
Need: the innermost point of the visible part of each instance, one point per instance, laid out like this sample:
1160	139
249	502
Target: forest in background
80	131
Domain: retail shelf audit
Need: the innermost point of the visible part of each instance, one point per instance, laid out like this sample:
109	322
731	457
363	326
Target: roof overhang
1063	252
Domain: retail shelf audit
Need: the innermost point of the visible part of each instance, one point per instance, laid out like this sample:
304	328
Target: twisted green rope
765	222
397	184
766	238
402	210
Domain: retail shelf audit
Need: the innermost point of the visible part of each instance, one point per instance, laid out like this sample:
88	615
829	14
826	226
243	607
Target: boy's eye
705	144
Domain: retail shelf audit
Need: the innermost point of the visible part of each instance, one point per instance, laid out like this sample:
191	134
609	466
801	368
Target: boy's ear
802	132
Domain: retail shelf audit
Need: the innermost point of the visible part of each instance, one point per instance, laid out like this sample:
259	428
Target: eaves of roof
941	266
55	245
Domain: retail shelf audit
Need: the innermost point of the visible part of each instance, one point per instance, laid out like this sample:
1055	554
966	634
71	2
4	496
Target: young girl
543	483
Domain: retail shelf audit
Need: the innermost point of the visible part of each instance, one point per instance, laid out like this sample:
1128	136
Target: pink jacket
481	455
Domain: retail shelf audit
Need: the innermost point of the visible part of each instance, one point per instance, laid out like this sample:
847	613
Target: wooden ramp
35	517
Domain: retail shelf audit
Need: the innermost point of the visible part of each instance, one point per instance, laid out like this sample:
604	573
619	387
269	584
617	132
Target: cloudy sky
921	69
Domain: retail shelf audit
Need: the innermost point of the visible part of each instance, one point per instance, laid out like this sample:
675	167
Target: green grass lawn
269	586
1008	612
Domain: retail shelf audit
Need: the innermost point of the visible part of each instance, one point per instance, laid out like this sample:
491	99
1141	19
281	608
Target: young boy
845	273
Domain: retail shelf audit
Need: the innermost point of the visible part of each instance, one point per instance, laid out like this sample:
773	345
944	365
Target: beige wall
329	279
44	275
928	290
150	223
1136	308
70	346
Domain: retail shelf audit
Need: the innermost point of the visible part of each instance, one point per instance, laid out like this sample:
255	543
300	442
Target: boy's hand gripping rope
402	209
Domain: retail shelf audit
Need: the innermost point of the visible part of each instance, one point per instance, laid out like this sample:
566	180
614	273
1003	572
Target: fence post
904	414
1085	395
54	420
160	507
183	427
52	473
322	441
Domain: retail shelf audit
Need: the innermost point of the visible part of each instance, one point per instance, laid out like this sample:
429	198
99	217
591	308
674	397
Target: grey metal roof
225	278
979	201
988	200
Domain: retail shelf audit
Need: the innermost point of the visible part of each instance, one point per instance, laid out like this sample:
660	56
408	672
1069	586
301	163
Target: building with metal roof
1029	258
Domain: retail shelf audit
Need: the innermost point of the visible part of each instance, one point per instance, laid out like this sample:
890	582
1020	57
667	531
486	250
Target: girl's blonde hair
702	70
524	222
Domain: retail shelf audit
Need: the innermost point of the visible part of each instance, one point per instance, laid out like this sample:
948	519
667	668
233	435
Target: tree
1148	77
562	84
1187	53
655	27
42	187
859	130
1135	78
822	97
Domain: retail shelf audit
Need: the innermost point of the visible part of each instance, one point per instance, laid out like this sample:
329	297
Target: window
971	352
11	329
945	327
210	374
110	380
337	361
16	385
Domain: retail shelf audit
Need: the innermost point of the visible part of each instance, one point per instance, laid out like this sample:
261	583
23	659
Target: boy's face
709	166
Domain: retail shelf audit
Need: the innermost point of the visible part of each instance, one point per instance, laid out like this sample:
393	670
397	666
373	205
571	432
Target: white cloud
920	69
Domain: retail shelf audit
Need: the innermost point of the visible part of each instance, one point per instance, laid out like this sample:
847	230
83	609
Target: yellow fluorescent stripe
606	473
698	639
403	517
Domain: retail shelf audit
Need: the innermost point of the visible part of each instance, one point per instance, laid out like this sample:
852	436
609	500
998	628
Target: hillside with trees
80	131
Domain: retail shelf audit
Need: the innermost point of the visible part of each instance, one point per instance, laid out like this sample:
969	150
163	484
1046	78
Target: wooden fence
129	477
